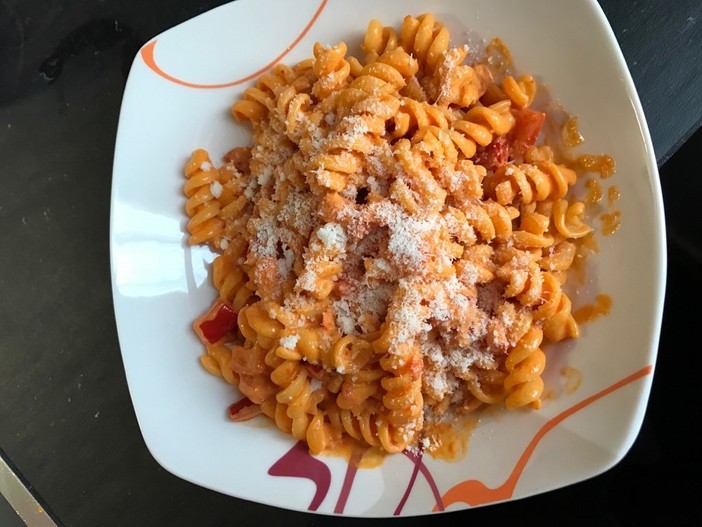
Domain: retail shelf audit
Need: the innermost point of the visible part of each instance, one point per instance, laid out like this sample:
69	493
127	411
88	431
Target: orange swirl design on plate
147	55
474	492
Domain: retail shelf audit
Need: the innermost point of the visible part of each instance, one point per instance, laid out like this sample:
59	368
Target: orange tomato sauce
602	306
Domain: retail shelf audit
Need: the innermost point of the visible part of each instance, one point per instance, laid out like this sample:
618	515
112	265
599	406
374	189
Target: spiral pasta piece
489	219
260	99
454	84
401	62
296	394
568	219
293	110
426	39
384	72
256	324
370	429
533	231
413	115
528	183
520	92
480	126
359	388
403	395
524	365
231	281
350	354
559	258
217	361
378	40
420	177
205	225
487	387
525	282
561	325
331	69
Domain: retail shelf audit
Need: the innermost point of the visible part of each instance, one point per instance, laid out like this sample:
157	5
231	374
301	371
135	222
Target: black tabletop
66	419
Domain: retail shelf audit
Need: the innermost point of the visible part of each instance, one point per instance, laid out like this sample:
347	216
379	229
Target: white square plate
177	98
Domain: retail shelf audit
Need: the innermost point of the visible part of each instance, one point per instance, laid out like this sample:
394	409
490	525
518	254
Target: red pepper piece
526	131
493	155
237	407
523	136
217	323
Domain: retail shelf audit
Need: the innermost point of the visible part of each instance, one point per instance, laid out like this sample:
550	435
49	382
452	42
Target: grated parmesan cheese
332	235
290	341
265	175
216	189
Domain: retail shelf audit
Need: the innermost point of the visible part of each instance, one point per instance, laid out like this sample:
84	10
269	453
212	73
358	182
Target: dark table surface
66	419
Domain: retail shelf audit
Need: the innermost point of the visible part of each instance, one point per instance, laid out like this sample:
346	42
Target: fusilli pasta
394	246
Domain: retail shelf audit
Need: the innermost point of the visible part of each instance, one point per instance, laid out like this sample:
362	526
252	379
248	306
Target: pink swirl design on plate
298	463
349	477
419	466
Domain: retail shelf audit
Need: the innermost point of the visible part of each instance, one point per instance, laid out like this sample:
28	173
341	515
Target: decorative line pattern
351	470
474	492
419	466
432	485
147	55
298	463
417	460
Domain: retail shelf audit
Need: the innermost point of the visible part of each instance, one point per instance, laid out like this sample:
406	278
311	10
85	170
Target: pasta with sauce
392	249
